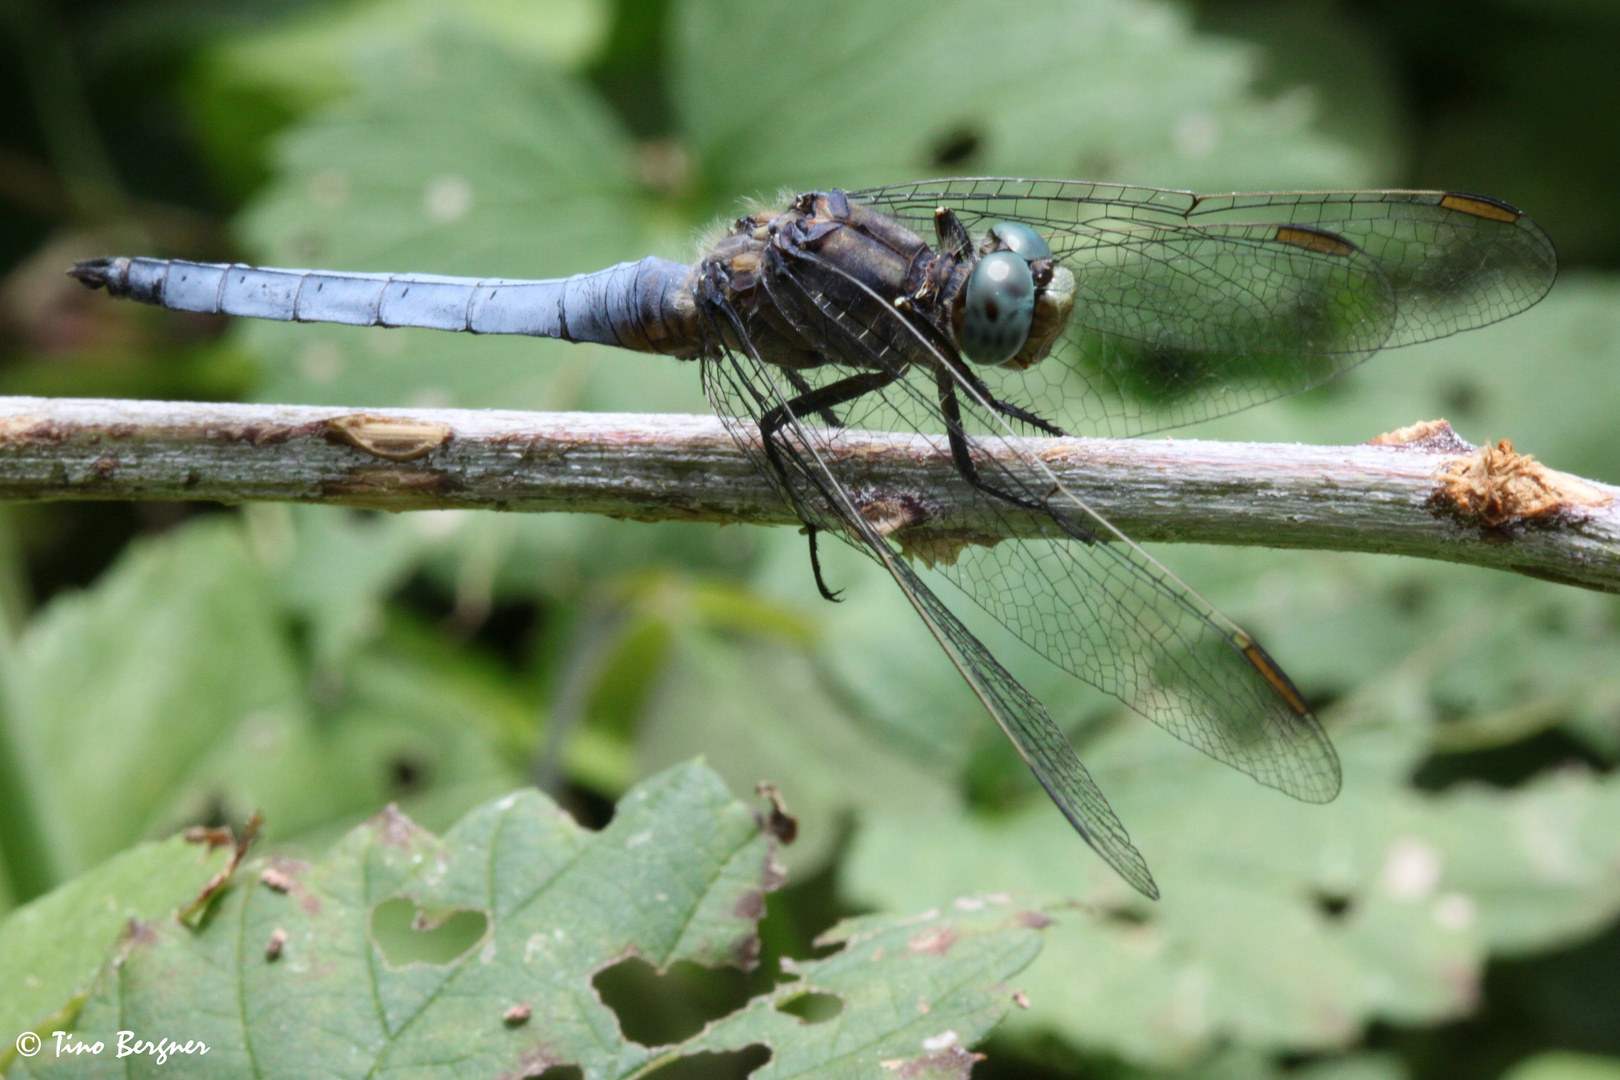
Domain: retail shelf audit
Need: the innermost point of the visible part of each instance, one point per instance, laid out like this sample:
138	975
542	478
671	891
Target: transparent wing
742	389
1081	595
1193	306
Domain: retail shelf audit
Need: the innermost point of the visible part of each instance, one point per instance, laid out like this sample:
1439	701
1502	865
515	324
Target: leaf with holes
915	994
474	955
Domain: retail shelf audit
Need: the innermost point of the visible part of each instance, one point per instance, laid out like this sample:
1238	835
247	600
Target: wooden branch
1420	492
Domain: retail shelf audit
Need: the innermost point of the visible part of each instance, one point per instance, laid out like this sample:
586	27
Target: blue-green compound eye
997	309
1018	237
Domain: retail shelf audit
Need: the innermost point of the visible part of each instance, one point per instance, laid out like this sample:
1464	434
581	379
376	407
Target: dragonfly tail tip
92	273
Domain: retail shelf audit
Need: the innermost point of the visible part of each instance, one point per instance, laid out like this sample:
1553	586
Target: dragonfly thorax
842	258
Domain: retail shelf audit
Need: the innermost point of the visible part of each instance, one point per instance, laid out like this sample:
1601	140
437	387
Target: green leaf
419	723
1282	925
1100	90
29	865
334	568
52	948
250	86
1544	379
519	908
758	710
888	670
167	695
1507	657
874	648
1338	63
1354	1067
130	690
1248	1063
1561	1065
458	157
306	59
915	993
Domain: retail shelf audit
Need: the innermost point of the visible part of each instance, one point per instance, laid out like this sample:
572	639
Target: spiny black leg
815	568
847	389
960	452
945	347
808	400
1007	408
963	458
802	387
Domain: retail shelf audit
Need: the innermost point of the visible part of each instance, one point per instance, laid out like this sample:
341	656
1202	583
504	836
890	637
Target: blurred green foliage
1453	915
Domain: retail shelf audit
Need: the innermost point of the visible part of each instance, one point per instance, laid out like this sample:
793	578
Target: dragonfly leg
1007	408
945	347
836	597
962	455
815	401
828	417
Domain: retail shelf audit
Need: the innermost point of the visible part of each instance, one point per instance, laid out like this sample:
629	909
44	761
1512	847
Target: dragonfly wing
1106	612
1193	306
1456	261
1174	324
741	389
1076	590
1040	742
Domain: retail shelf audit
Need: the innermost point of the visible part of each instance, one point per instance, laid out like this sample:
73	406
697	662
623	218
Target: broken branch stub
1497	486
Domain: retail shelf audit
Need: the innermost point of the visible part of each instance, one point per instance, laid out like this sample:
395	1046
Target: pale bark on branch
1426	494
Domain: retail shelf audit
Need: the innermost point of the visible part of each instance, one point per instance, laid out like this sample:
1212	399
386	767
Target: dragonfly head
1016	301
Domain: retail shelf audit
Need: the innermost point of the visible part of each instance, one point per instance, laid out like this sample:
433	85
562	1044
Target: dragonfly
979	314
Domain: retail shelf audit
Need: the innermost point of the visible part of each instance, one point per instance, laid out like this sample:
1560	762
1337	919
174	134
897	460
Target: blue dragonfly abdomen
642	305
